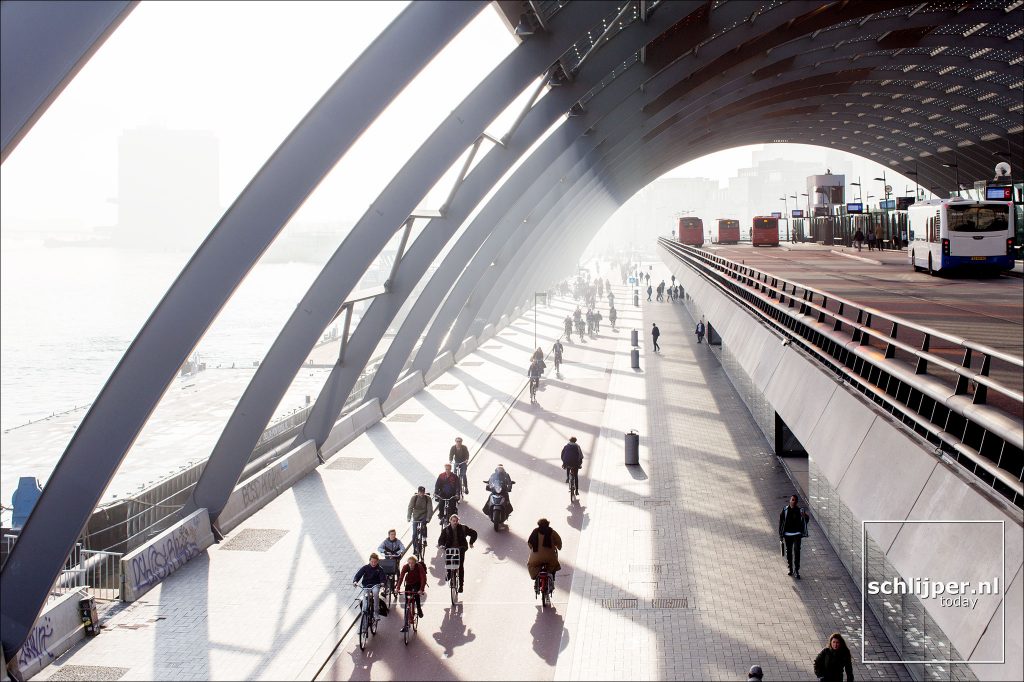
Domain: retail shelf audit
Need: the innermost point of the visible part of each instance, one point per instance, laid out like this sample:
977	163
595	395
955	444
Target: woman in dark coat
833	660
544	544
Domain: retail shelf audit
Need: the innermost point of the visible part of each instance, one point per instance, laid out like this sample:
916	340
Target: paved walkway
694	524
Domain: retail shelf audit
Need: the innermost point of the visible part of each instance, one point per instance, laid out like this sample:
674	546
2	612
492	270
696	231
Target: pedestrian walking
655	333
699	331
831	661
649	292
792	529
858	239
612	316
871	239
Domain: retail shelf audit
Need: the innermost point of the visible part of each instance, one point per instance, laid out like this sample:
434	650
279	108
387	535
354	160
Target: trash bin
634	338
87	613
632	447
636	299
634	358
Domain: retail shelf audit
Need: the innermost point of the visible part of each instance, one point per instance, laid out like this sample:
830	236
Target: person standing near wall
792	529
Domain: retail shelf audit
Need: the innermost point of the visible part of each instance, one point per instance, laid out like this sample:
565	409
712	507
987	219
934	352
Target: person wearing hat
499	477
755	674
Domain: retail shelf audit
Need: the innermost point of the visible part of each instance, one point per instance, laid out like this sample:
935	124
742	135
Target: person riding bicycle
572	458
544	544
421	509
535	372
372	576
568	326
447	487
459	456
557	351
414	574
456	535
499	477
392	548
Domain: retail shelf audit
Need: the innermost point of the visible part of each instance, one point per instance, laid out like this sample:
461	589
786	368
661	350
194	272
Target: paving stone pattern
716	599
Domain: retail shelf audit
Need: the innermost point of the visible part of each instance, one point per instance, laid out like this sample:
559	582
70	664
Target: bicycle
389	590
419	539
543	586
446	506
460	471
368	618
534	383
412	616
574	482
558	362
452	561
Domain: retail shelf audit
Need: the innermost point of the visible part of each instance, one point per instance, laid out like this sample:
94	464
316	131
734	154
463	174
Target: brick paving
694	524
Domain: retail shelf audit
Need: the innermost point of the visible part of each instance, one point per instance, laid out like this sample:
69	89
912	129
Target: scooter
499	503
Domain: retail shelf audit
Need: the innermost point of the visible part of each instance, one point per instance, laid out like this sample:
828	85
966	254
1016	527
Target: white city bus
961	233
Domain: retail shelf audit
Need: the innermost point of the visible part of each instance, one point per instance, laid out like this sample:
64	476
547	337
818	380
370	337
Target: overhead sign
776	214
798	213
855	208
887	204
999	193
820	211
903	203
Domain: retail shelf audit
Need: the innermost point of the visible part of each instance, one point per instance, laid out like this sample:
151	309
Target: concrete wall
881	470
350	426
254	493
58	628
441	365
402	391
145	567
467	347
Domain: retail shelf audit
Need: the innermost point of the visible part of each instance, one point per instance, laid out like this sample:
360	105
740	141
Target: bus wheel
930	271
913	261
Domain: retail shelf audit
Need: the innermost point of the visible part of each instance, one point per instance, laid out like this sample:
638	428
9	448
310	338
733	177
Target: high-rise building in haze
168	188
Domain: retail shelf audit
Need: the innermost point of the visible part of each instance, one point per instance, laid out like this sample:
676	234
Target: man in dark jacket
372	576
459	456
456	535
792	528
655	333
572	461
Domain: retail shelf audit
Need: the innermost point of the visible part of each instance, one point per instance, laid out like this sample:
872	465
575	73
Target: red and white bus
691	231
728	231
765	231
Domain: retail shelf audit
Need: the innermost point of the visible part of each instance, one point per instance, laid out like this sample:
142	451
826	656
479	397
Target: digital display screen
820	211
903	203
855	208
776	214
999	193
798	213
887	204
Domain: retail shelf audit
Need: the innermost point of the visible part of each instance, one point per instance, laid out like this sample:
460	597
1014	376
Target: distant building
168	188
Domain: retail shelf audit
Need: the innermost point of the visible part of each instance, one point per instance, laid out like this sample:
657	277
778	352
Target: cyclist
534	372
459	456
372	576
391	548
538	355
572	461
415	576
421	510
544	544
446	491
557	351
456	535
568	327
612	315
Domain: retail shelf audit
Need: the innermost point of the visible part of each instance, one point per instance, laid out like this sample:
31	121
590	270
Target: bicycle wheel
408	617
545	592
454	582
374	619
364	631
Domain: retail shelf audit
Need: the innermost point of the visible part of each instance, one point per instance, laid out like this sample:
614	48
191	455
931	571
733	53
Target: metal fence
963	397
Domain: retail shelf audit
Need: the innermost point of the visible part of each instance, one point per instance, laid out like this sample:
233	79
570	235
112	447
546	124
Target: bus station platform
670	569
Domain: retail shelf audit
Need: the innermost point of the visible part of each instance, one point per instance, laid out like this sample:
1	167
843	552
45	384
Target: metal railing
96	570
962	397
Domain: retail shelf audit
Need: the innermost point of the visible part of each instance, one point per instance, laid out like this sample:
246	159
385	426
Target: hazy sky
247	72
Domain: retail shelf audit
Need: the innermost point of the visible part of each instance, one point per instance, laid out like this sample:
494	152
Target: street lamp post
956	172
785	209
885	186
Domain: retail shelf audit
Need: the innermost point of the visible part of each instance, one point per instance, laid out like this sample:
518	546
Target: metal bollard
634	358
636	299
634	338
632	447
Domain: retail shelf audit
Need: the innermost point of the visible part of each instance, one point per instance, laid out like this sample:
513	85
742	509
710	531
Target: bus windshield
972	218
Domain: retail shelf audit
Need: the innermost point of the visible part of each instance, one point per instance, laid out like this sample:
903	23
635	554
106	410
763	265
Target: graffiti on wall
159	560
262	486
38	643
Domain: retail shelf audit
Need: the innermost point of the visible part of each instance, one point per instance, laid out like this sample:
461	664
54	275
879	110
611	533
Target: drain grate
444	387
654	503
88	672
471	363
404	417
254	539
349	463
619	603
652	569
677	603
